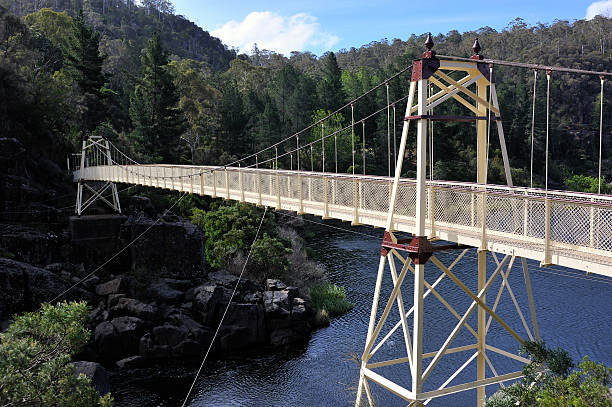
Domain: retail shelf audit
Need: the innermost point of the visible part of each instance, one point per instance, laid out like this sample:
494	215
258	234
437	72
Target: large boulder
195	331
273	284
107	341
96	373
119	337
167	290
132	307
171	249
244	326
208	300
129	330
131	362
169	335
114	286
24	287
277	304
149	349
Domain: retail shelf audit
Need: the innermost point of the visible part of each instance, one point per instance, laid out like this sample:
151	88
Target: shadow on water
572	313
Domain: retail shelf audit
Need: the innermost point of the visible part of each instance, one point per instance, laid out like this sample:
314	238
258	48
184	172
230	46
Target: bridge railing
553	223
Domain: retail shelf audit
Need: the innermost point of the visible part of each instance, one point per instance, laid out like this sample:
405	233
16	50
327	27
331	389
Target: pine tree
158	122
330	88
84	64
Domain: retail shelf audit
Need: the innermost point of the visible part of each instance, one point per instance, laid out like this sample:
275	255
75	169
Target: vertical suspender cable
276	157
388	132
353	135
311	159
363	150
431	141
490	103
547	123
535	79
601	98
322	147
394	140
297	151
336	151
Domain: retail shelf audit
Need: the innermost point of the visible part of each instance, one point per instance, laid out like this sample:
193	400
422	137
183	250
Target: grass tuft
329	298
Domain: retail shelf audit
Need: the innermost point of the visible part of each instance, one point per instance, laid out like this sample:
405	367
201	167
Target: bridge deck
564	228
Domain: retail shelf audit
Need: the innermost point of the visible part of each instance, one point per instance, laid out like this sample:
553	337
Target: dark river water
573	313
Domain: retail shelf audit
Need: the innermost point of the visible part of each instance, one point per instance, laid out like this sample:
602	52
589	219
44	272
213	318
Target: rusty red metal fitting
418	247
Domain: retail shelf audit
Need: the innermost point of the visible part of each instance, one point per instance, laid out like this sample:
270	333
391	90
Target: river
573	313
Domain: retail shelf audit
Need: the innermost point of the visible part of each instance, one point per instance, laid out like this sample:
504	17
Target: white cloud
276	33
599	8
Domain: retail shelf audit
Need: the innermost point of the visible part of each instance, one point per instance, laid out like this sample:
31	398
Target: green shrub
585	183
559	386
230	231
330	298
35	367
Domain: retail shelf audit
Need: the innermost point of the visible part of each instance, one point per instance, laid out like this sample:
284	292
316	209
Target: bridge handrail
537	194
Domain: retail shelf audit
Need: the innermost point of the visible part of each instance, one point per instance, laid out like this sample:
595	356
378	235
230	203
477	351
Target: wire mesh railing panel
342	192
306	187
316	189
376	196
405	201
266	184
209	180
249	181
220	181
504	214
536	218
602	236
454	206
234	180
571	223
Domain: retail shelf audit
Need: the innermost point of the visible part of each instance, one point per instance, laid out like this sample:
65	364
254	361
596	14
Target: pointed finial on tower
476	48
429	42
429	45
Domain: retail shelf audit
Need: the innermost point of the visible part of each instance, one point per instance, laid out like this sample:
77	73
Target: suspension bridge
563	228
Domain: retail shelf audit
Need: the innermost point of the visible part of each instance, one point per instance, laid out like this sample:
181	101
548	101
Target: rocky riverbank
156	301
153	302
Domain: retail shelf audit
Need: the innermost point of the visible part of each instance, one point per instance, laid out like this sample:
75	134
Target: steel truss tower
408	257
95	151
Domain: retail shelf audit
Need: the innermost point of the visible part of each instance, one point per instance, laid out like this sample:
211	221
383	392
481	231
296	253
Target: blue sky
319	26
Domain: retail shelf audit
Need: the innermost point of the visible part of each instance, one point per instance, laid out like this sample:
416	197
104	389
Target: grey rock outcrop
115	286
29	286
96	373
131	307
119	337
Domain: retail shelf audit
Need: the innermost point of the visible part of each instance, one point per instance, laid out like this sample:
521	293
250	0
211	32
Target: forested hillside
166	90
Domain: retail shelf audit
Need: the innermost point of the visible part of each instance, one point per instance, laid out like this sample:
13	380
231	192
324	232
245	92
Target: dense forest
165	90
